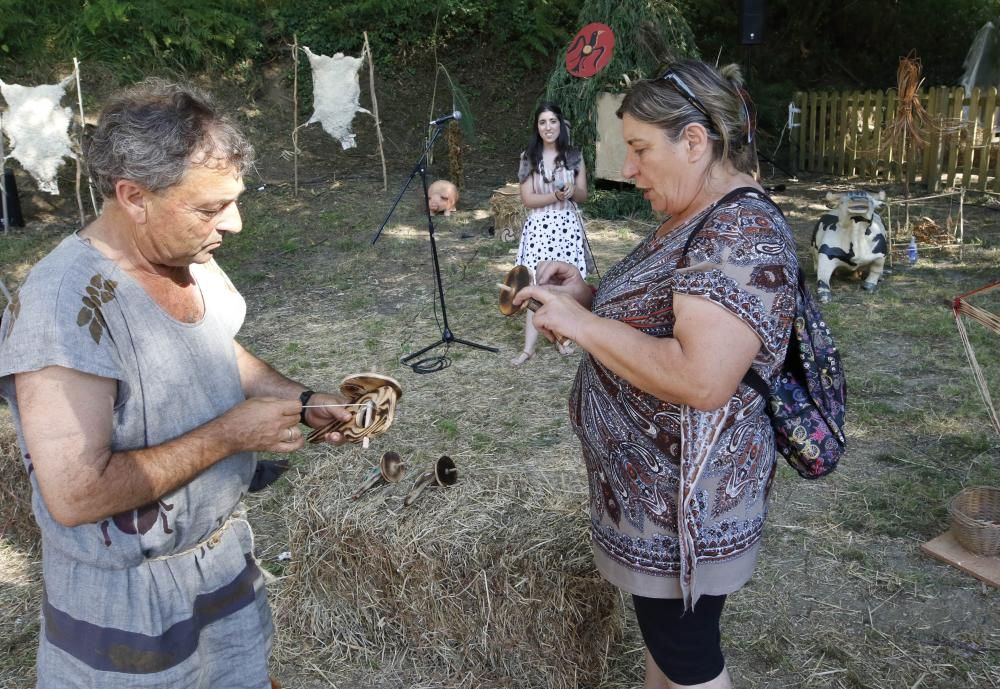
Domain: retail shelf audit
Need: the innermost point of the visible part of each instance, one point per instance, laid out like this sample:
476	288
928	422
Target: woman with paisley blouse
680	455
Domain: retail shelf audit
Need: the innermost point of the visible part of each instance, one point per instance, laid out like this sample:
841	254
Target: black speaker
751	24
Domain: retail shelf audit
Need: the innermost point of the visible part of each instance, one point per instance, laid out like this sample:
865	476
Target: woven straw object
975	519
508	213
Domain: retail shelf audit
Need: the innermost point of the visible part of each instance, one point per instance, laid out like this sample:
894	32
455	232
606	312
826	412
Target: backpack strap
751	377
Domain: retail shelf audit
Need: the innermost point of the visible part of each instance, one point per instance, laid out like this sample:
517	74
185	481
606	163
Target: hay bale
508	212
17	523
490	582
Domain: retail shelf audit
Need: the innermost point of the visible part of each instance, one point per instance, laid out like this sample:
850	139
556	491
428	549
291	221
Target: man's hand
317	415
262	424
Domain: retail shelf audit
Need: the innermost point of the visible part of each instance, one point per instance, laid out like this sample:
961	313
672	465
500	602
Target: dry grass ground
842	598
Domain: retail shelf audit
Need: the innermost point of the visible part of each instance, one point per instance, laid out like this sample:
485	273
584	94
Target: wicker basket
975	519
508	213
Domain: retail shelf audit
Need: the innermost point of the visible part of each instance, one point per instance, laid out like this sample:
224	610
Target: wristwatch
304	399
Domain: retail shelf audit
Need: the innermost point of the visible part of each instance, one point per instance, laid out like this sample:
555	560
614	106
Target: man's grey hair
154	131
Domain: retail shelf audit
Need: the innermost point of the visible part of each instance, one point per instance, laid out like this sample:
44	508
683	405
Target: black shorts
686	646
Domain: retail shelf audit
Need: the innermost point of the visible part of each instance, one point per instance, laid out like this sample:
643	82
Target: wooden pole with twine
83	125
378	123
295	111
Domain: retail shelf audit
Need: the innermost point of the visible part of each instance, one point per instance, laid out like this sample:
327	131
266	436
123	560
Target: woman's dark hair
715	98
535	145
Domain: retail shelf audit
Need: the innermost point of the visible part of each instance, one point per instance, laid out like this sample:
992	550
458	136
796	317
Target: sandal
521	358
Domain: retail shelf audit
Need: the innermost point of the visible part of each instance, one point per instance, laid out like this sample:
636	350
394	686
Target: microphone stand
447	337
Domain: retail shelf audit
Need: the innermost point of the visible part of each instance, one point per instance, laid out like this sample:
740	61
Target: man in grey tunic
138	413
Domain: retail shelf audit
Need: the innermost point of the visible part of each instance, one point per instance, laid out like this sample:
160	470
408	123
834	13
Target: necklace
546	177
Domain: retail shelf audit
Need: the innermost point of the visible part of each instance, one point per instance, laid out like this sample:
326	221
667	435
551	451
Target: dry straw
490	582
17	523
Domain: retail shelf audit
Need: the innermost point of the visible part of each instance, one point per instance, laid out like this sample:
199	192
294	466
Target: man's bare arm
67	417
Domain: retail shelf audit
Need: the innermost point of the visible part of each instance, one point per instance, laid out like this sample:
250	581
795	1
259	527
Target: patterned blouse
678	495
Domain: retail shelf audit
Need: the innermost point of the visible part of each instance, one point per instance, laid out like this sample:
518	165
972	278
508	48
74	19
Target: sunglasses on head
671	78
674	80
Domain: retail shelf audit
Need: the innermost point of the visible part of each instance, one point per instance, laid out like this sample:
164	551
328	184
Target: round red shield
590	50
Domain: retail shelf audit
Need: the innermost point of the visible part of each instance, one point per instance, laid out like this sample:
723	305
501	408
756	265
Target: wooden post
875	136
989	112
846	127
954	115
970	120
824	158
806	123
961	223
933	152
813	157
907	225
83	126
888	229
295	113
79	156
891	154
378	123
840	123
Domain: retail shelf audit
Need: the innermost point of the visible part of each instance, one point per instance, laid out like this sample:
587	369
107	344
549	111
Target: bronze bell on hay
444	473
390	469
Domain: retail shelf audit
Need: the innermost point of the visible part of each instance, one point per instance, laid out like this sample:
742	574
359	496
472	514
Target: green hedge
133	37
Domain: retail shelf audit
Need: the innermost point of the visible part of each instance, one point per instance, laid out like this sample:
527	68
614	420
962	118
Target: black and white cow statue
853	237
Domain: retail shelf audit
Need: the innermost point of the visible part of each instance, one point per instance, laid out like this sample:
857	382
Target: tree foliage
821	43
855	44
648	33
525	29
131	35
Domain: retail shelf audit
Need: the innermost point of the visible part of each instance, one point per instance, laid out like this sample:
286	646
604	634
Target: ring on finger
291	436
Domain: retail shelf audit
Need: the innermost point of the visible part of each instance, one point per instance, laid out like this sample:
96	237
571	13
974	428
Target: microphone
446	118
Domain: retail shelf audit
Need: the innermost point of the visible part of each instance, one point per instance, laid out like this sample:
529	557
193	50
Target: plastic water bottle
911	250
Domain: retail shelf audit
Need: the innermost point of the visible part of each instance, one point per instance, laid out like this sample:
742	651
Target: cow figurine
853	238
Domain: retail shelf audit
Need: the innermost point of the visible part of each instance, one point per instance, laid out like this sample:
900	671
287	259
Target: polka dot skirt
552	235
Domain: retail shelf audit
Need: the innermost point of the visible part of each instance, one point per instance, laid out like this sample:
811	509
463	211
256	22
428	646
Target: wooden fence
850	134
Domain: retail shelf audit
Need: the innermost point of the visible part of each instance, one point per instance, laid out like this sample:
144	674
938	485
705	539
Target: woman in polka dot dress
553	180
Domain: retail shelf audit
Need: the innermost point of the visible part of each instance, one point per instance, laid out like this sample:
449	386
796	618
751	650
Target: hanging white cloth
335	94
38	129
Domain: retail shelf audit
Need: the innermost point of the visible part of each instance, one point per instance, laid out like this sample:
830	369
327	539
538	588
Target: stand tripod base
447	338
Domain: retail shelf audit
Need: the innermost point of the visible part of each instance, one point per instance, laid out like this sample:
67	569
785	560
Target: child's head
442	197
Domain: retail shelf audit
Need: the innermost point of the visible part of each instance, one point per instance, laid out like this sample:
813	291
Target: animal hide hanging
38	130
335	94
